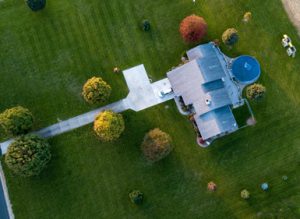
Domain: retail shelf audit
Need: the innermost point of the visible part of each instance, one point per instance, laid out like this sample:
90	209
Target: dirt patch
292	8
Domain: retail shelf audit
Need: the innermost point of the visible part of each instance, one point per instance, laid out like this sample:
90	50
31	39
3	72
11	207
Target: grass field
47	56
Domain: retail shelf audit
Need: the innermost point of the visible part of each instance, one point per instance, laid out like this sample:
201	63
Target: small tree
36	5
193	28
96	90
230	37
108	125
245	194
146	25
28	155
17	120
255	91
136	197
156	145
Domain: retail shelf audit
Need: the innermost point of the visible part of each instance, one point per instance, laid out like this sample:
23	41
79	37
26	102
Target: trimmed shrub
146	25
96	90
16	121
255	91
211	186
193	28
108	125
247	16
156	145
36	5
136	197
28	155
230	37
245	194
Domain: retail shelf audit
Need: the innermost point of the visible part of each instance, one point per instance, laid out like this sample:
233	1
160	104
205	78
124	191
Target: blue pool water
246	69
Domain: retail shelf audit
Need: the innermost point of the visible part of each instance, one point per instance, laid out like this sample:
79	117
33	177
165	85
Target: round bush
146	25
36	5
108	125
96	90
136	197
230	36
17	120
28	155
255	91
156	145
245	194
193	28
247	16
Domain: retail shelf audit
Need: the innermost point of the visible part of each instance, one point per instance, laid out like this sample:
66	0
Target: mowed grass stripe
43	50
76	28
106	56
94	42
80	59
123	30
87	38
136	41
110	31
48	33
77	63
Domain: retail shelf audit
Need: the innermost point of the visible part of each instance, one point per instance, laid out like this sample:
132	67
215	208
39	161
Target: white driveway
142	93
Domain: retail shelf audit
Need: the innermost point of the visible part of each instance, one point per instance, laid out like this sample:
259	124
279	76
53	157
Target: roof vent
208	102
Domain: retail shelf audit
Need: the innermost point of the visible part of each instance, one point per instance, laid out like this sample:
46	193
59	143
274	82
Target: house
209	89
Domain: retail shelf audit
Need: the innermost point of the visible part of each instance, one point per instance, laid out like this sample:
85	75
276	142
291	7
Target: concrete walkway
81	120
73	123
142	95
292	8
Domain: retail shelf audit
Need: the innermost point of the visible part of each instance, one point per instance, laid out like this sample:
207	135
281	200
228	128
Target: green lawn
47	56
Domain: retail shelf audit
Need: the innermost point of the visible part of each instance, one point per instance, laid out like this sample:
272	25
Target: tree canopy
36	5
96	90
193	28
136	197
255	91
17	120
108	125
28	155
156	145
230	36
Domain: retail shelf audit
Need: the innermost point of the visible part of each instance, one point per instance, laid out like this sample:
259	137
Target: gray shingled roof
211	69
216	122
200	82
